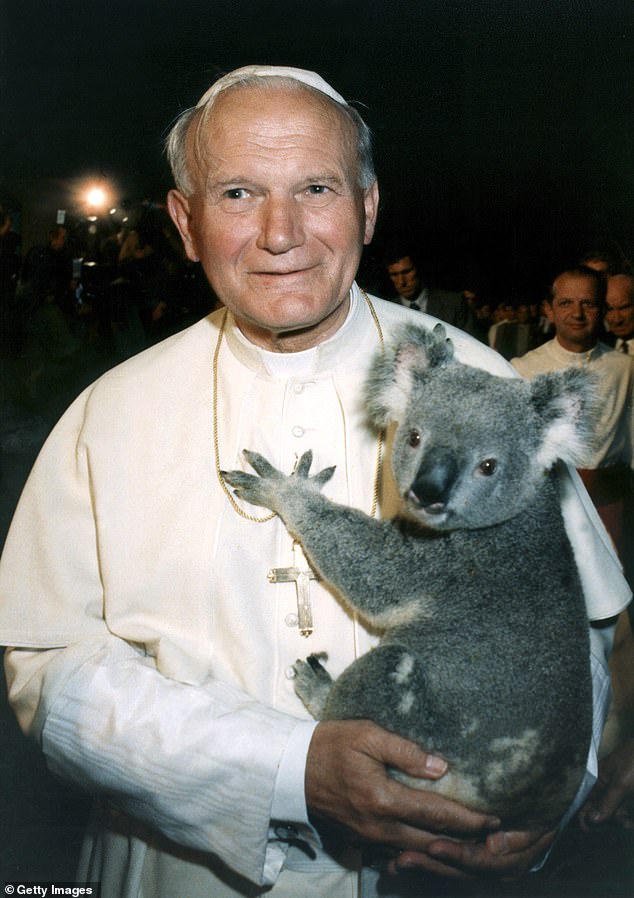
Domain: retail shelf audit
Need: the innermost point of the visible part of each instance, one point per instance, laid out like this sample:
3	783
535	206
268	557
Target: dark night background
504	135
504	129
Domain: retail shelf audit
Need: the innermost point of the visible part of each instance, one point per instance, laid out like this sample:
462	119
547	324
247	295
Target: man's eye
236	193
318	190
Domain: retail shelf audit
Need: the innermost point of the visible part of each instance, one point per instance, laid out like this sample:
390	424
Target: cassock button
298	431
291	620
289	673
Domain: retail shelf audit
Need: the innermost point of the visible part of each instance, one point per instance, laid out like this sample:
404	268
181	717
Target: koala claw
261	466
312	683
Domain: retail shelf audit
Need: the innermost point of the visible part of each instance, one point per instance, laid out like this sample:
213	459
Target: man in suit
413	293
619	314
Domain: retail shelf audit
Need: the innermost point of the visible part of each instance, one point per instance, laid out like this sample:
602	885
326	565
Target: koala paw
268	487
312	683
258	490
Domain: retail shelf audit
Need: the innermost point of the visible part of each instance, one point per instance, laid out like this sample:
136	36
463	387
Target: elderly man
153	619
619	312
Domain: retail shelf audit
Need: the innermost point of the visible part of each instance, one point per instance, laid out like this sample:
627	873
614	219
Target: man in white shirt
153	632
576	308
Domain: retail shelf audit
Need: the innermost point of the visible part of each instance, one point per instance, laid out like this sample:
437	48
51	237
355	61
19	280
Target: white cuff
289	800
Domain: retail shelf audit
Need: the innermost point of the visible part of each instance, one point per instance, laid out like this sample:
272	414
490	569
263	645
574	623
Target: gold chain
225	489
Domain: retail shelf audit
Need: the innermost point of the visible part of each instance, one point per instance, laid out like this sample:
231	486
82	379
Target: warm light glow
93	195
96	197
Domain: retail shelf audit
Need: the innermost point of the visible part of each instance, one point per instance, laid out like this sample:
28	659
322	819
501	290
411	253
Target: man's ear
371	204
179	209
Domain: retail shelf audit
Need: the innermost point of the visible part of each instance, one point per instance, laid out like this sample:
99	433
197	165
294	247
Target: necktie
624	347
416	307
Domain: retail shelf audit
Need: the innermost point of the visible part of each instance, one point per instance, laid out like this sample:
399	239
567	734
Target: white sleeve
172	755
600	647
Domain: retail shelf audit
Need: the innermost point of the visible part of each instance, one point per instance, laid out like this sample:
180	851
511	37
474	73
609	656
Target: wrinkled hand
505	855
347	785
613	795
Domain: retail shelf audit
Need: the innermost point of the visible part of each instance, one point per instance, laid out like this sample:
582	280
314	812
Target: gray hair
177	150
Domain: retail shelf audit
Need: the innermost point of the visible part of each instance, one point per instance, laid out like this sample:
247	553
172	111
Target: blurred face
523	313
599	265
404	276
620	306
575	312
277	218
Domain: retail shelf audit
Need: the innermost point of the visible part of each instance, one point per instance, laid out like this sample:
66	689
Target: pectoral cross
300	574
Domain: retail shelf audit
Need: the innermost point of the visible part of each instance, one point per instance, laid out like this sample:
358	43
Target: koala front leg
362	558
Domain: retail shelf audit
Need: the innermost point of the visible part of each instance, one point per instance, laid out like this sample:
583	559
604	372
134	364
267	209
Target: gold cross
300	574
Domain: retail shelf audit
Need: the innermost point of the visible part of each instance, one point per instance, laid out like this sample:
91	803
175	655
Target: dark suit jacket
450	307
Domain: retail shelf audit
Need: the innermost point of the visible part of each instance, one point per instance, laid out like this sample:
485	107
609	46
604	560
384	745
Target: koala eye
414	438
488	466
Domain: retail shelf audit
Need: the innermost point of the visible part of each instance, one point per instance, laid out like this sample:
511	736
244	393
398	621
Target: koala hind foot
312	683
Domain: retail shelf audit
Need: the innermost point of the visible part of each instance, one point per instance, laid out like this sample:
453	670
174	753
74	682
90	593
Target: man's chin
298	329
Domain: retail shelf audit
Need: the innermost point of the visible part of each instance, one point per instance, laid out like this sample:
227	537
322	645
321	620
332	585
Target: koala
484	655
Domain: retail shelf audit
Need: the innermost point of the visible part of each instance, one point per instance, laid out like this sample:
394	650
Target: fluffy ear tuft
568	406
392	375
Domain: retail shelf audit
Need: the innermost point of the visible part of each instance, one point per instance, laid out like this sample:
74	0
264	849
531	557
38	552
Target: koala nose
434	479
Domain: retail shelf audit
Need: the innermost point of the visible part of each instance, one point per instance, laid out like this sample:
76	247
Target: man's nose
281	227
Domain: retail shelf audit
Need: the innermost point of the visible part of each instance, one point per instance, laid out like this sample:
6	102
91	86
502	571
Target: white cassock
155	657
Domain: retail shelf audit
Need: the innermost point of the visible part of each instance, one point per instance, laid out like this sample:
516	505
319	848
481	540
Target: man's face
620	307
575	312
277	218
404	276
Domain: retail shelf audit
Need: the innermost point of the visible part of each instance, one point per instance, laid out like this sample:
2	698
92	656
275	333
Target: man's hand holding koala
348	787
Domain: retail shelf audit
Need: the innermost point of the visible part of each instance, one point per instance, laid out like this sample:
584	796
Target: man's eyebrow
323	178
227	182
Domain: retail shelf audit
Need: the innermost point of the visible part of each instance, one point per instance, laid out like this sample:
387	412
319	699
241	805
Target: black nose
435	478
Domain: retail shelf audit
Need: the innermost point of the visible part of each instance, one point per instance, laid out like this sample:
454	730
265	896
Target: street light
96	197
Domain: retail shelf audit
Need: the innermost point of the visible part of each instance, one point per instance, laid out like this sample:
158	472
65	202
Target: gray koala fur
484	654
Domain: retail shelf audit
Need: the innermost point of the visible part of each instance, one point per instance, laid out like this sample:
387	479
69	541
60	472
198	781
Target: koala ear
568	406
394	371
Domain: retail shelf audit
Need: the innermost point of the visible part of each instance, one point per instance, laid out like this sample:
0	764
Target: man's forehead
274	114
620	293
574	284
404	263
247	122
274	100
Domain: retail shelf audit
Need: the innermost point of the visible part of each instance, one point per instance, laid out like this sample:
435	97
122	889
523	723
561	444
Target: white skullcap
312	79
